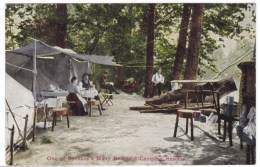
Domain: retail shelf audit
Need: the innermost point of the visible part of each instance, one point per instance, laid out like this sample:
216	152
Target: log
223	87
146	107
165	106
165	110
207	109
170	106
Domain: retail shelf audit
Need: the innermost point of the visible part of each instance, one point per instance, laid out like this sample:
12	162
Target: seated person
80	107
107	85
246	130
87	84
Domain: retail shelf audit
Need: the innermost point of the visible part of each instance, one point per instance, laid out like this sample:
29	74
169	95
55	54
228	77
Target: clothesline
142	66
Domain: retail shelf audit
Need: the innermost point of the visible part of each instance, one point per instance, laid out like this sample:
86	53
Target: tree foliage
119	30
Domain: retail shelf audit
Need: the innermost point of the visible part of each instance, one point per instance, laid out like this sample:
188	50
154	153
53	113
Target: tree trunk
194	43
181	48
150	49
61	28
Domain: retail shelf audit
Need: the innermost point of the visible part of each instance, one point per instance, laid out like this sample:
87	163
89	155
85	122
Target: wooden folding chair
107	99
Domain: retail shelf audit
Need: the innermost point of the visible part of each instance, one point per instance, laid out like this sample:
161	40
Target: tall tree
61	21
149	51
125	37
194	42
181	48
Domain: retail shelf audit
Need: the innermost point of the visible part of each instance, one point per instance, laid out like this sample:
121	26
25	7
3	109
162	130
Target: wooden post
46	115
11	145
202	98
191	127
186	99
34	116
218	112
24	132
247	154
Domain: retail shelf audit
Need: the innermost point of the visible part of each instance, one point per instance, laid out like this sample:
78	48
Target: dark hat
73	79
85	74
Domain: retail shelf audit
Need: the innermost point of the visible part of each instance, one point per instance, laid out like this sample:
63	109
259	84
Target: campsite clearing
126	137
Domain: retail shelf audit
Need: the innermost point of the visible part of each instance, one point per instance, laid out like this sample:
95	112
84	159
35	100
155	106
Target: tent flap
43	50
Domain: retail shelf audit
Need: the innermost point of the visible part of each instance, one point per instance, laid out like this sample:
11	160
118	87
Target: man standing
157	80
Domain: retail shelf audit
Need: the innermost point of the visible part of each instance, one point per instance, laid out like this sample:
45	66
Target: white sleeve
77	90
153	79
162	81
80	84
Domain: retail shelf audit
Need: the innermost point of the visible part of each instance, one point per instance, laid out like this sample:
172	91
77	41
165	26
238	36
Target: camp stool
61	111
91	103
107	99
188	114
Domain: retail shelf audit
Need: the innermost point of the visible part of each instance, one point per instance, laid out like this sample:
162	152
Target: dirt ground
126	137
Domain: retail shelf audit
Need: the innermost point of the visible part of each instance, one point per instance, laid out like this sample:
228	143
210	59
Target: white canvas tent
54	65
21	102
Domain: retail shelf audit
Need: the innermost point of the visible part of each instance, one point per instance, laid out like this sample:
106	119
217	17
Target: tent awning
43	50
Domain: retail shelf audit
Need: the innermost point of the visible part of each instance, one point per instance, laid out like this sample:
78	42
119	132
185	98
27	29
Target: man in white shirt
157	80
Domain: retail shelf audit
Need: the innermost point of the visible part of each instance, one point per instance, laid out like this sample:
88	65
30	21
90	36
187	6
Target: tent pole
34	73
34	88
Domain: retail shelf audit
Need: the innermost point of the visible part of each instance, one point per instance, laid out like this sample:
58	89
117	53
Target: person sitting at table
80	107
87	84
107	85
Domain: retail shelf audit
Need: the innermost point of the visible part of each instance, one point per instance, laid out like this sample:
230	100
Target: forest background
228	32
187	41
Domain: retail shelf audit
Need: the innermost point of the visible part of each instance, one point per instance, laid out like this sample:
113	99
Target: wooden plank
159	110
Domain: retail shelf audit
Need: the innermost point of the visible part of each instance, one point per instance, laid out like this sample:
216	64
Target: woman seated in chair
87	84
80	106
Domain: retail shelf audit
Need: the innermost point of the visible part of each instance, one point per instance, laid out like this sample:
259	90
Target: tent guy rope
20	67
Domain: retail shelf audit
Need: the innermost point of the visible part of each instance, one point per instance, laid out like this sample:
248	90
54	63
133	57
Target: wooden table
54	93
201	91
89	95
